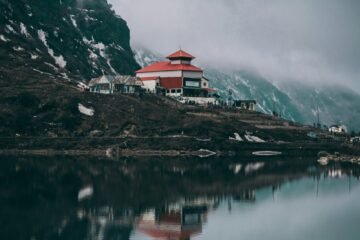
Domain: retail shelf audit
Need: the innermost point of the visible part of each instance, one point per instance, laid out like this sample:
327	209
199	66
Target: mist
307	41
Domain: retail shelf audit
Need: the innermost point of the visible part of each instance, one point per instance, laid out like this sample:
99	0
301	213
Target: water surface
47	198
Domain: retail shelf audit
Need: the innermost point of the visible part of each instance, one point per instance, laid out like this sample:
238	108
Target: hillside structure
178	78
249	105
108	84
338	129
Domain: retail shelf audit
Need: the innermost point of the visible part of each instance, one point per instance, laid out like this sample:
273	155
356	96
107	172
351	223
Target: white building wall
204	83
176	94
150	85
188	74
200	100
160	74
339	129
180	62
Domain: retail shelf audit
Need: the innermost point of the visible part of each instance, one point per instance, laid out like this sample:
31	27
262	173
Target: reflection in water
107	223
276	200
177	222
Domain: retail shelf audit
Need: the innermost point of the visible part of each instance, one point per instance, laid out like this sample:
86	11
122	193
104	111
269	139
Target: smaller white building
108	84
338	129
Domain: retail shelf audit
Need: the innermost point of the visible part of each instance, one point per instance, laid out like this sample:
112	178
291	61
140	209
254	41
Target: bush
72	105
27	99
69	122
22	121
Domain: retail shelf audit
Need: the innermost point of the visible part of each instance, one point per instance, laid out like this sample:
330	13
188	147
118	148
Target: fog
316	42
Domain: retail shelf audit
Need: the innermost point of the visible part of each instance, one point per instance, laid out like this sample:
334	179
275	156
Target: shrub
27	99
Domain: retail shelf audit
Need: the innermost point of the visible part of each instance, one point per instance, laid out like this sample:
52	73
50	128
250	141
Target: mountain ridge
69	39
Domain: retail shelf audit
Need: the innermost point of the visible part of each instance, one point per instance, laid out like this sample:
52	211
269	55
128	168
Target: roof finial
180	47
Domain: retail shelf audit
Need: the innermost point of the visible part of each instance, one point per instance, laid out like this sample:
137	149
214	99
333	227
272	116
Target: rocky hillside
69	39
292	101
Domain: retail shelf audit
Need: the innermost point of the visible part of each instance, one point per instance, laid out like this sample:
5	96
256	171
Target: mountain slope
336	105
246	85
68	38
293	101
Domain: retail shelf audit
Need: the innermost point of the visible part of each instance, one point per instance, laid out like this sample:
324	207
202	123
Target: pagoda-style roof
167	66
180	54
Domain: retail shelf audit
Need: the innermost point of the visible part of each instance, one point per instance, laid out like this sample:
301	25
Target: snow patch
257	139
82	86
111	67
99	46
18	49
251	138
88	18
65	76
41	72
85	193
52	66
23	30
117	47
86	111
10	29
3	38
236	137
237	168
252	167
34	56
73	21
59	60
92	55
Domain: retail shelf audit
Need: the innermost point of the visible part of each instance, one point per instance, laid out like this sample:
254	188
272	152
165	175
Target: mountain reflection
153	199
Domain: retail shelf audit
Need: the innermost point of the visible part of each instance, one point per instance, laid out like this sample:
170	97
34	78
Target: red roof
160	231
167	66
169	83
211	90
180	54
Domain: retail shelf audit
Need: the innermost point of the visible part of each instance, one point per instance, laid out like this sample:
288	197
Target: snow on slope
42	34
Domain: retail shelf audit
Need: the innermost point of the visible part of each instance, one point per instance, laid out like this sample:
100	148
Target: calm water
298	210
180	199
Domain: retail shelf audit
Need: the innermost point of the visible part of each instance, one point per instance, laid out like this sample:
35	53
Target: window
204	84
168	91
173	91
104	86
178	91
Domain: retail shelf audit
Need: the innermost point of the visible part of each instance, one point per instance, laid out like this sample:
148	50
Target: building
178	78
249	105
108	84
338	129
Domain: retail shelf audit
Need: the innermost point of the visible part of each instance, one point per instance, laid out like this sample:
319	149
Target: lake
262	198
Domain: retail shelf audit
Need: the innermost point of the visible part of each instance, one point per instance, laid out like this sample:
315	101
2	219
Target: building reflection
108	223
180	221
245	196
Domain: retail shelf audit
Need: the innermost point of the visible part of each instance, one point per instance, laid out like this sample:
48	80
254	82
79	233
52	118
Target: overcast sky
316	41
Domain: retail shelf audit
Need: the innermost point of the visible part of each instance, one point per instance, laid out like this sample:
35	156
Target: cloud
301	40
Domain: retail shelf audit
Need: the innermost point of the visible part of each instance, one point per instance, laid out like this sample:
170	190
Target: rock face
69	39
